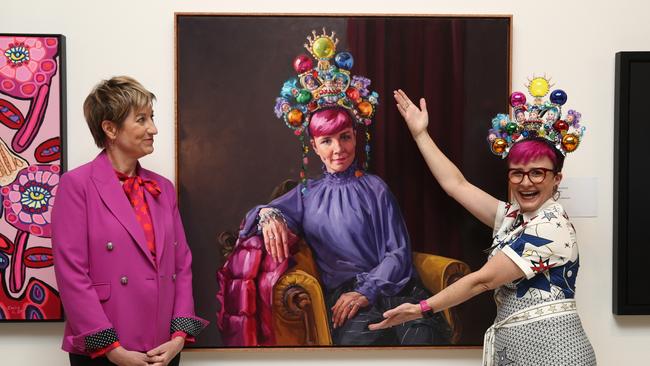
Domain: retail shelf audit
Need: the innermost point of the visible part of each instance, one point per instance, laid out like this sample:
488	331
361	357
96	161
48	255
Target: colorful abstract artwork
32	117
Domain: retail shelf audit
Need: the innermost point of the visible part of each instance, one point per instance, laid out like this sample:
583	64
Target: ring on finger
407	105
271	237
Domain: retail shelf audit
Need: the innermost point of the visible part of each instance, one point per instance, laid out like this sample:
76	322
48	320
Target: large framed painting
631	172
32	130
249	88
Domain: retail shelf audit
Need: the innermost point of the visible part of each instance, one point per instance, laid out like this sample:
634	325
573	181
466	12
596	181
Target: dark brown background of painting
232	150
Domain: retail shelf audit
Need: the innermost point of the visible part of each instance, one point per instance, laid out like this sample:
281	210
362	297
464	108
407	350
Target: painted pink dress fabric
245	293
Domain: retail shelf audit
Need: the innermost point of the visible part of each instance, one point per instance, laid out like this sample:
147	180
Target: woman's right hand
417	119
276	237
399	315
123	357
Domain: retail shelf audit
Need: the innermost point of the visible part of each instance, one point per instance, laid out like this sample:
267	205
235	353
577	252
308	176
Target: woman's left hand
399	315
347	306
163	354
276	237
417	119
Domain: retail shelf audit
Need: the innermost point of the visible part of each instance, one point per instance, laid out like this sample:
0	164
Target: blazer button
124	280
175	243
174	277
109	246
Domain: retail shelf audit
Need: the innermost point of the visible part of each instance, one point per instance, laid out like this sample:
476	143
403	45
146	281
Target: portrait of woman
347	216
232	152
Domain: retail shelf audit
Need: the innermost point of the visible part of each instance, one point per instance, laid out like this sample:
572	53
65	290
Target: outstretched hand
399	315
417	119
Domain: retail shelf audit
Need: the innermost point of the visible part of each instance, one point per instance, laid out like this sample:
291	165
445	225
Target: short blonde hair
112	100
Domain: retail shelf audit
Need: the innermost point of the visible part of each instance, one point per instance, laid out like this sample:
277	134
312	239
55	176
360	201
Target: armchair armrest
300	315
438	272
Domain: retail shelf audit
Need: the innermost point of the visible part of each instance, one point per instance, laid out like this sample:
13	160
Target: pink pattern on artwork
27	65
30	158
28	201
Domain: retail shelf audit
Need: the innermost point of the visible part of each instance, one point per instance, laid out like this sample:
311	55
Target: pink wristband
427	311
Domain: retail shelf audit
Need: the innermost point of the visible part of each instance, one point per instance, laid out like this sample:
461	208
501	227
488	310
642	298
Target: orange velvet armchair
300	315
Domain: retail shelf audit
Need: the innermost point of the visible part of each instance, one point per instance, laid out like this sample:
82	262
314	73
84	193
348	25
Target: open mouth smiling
529	194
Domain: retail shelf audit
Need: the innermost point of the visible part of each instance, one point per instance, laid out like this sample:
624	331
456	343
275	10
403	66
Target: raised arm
478	202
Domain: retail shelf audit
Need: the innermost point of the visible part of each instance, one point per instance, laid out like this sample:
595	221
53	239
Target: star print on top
547	256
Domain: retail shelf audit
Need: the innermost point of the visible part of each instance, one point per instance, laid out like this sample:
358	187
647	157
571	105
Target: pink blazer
111	286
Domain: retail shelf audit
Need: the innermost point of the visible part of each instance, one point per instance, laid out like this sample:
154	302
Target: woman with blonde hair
122	262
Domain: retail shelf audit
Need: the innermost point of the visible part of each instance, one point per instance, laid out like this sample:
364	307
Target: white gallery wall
572	41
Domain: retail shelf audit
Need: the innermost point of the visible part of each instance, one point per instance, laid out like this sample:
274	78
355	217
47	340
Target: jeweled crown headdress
327	85
539	119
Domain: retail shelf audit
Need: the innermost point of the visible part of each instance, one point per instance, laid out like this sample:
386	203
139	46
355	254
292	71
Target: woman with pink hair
533	261
354	226
349	218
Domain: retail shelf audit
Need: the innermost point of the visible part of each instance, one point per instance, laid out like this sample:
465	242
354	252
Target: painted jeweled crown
326	84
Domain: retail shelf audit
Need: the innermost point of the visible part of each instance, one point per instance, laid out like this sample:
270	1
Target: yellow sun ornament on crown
327	85
539	119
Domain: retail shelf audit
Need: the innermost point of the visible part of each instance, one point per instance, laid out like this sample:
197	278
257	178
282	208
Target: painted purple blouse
355	229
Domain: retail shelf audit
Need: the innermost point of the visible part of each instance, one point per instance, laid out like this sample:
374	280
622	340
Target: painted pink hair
529	150
329	121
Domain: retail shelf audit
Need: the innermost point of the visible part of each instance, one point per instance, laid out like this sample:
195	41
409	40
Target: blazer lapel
157	210
115	199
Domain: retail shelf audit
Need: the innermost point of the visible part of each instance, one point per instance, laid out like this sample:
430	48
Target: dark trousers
81	360
355	332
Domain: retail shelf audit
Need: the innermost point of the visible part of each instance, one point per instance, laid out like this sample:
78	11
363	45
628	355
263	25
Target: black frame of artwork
631	163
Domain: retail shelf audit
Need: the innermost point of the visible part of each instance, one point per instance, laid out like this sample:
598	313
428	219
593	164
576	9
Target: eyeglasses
535	175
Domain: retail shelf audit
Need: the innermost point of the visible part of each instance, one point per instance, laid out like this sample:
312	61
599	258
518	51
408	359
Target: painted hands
276	236
347	306
10	164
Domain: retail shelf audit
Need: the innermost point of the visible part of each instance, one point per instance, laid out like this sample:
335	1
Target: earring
556	194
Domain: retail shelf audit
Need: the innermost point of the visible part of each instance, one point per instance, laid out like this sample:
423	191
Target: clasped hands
159	356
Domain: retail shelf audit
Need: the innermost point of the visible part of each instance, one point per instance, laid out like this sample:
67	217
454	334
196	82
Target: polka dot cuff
100	339
191	327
